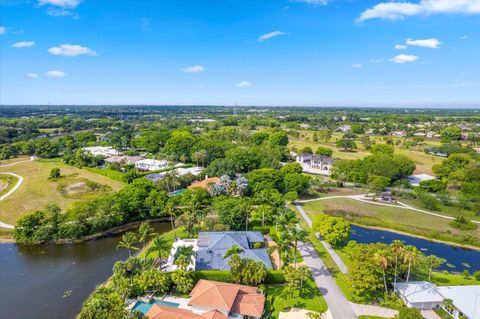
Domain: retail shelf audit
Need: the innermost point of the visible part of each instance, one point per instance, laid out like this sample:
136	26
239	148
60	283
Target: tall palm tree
159	245
287	219
234	250
185	251
128	242
283	243
171	211
397	248
297	235
145	231
410	258
382	261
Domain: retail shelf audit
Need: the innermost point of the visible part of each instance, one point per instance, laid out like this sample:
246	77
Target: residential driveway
338	304
369	310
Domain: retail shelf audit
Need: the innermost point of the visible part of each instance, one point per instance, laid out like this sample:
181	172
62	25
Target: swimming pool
144	307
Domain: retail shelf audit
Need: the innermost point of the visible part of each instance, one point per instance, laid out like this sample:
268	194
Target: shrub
462	223
409	313
476	275
257	245
265	230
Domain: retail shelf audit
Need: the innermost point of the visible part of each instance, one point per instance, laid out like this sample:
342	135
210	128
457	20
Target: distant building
398	133
344	128
212	246
415	180
465	300
315	164
151	165
106	151
124	159
305	126
195	170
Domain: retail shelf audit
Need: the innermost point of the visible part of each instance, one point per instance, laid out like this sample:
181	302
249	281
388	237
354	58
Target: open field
14	159
424	162
7	182
407	221
444	210
37	191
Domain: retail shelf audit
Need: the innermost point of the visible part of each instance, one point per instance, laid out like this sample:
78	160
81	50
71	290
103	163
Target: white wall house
315	164
151	165
106	151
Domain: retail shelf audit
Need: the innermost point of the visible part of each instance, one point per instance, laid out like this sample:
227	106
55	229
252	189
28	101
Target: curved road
10	192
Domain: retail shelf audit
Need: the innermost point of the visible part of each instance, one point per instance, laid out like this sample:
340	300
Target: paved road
363	198
340	264
10	192
336	300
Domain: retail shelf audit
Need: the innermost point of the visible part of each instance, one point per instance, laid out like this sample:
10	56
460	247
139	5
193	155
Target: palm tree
283	242
410	257
171	211
287	219
159	245
234	250
144	232
182	262
128	242
184	251
397	248
382	261
303	274
297	235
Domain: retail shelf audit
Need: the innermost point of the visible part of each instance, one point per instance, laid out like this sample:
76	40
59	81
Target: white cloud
243	84
404	58
400	10
55	74
381	60
60	12
3	30
194	69
70	50
23	44
270	35
400	47
425	43
314	2
32	75
60	3
465	37
357	65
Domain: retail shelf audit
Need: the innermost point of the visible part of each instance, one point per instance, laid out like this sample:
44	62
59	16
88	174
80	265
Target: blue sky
250	52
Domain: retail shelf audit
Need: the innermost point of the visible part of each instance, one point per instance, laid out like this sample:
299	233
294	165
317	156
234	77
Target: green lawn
404	220
7	182
311	299
444	210
37	190
442	279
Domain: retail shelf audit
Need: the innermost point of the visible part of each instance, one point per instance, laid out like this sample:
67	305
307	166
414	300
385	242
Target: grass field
7	182
13	160
311	299
424	162
37	191
444	210
391	217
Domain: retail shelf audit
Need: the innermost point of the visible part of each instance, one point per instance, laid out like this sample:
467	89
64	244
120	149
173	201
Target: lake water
460	258
47	282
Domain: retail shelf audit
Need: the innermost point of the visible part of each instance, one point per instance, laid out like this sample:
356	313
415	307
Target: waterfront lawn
444	210
404	220
37	190
442	279
311	299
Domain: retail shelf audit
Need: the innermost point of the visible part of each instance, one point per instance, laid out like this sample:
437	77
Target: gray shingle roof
212	246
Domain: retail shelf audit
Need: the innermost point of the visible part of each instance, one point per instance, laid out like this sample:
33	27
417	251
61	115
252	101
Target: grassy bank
403	220
37	190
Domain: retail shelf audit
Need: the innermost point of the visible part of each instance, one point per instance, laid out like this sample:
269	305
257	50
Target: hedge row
273	276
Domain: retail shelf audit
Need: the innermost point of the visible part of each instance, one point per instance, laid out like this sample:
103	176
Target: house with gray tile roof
212	246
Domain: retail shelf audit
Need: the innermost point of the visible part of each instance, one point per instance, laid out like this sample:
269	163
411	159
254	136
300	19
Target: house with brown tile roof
165	312
205	183
231	299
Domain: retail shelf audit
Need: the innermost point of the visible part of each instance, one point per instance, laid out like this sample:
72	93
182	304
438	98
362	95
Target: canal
458	259
48	282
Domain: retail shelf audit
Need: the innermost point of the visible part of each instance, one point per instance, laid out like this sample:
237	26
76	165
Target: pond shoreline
107	233
466	246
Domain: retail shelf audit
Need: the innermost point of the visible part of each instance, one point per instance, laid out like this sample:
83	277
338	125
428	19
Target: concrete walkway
337	303
363	198
10	192
369	310
340	264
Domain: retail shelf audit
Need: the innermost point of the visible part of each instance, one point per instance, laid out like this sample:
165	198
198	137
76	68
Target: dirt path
10	192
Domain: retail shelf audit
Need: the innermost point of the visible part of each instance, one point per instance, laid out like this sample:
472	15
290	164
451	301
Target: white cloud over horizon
3	30
71	50
314	2
243	84
32	75
23	44
60	3
55	74
432	43
194	69
400	46
400	10
270	35
404	58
